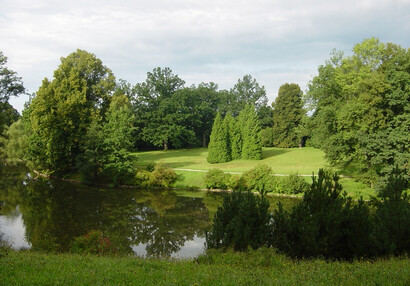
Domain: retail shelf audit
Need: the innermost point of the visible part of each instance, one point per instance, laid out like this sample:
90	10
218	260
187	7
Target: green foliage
392	216
287	115
246	92
156	107
15	142
259	179
236	183
267	137
218	150
118	133
217	179
235	137
361	108
64	108
325	224
90	162
292	184
328	224
161	176
241	222
92	243
251	134
10	85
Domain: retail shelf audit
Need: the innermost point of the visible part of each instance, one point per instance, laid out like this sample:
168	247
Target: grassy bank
303	161
261	267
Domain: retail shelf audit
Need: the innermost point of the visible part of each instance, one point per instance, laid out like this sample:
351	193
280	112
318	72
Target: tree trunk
165	145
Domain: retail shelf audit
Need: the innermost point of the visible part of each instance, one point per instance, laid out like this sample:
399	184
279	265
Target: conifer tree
251	134
226	122
287	115
218	149
235	137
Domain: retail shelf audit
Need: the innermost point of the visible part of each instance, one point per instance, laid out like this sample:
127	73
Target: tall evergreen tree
251	134
218	149
287	115
235	137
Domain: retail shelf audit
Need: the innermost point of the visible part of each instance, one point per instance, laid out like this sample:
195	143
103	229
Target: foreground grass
261	267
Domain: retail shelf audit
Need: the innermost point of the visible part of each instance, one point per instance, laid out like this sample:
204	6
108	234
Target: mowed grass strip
261	267
303	161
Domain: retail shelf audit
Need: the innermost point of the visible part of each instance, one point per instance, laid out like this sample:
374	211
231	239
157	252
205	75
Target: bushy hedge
216	179
160	176
259	179
292	185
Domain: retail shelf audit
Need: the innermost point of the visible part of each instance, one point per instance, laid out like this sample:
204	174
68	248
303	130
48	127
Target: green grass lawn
282	161
260	267
304	161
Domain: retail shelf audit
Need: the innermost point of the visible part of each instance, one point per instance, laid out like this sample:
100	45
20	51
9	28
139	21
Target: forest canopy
84	120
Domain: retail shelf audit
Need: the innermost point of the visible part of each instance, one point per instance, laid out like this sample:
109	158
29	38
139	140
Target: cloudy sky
275	41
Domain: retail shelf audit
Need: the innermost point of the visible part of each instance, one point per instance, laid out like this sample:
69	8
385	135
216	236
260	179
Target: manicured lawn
261	267
305	161
282	161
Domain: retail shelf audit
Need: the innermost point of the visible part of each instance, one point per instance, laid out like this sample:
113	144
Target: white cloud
200	40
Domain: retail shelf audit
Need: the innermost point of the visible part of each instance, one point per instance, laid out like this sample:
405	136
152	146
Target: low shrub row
259	179
325	224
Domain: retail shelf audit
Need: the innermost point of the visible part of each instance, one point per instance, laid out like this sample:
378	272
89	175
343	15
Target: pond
48	215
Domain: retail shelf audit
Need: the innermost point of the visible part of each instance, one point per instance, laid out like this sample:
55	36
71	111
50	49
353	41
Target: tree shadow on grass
273	152
175	165
175	153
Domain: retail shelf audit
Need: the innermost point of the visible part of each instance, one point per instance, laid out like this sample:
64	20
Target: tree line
84	120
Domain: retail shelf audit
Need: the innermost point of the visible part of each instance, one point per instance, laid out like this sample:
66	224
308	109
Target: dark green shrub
260	179
325	224
92	243
150	166
292	184
392	216
216	179
241	222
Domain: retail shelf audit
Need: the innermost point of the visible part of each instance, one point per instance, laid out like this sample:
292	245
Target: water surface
49	215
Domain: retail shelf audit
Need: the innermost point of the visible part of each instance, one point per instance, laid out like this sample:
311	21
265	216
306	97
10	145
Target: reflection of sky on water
191	249
14	231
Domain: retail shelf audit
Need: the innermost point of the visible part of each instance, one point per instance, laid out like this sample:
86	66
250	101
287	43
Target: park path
236	173
240	173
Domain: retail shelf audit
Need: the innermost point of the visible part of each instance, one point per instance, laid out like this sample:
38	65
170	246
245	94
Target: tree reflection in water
54	213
